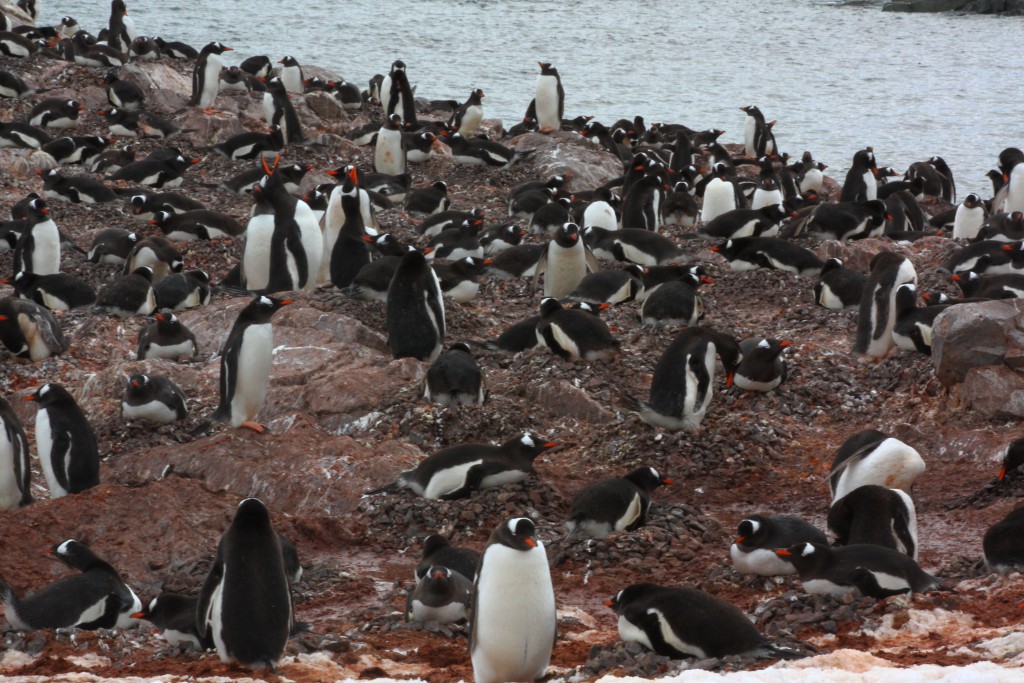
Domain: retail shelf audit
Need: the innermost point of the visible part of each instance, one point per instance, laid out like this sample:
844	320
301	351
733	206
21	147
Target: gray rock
564	152
975	335
562	398
993	390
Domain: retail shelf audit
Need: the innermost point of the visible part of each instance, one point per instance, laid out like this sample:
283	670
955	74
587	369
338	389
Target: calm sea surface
836	77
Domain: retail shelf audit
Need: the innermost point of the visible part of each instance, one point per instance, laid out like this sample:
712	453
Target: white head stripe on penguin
654	473
808	550
152	604
528	442
62	549
513	524
43	390
266	302
763	344
754	525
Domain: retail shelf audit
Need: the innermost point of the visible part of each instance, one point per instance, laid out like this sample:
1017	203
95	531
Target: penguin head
972	200
74	554
438	575
529	445
647	478
568	235
251	512
549	305
160	217
625	597
138	383
1013	459
748	529
397	65
433	543
216	48
48	394
804	554
144	272
518	533
289	61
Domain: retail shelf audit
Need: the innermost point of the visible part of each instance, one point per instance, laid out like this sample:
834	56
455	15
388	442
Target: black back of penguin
415	310
618	504
245	602
73	460
438	550
15	470
351	251
876	515
454	378
1003	542
878	572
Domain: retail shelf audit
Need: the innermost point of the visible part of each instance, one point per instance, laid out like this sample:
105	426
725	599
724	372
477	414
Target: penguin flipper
204	605
593	265
59	453
541	267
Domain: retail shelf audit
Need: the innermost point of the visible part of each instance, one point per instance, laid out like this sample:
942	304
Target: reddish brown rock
974	335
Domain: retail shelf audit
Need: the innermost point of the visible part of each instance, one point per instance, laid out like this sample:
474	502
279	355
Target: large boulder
563	152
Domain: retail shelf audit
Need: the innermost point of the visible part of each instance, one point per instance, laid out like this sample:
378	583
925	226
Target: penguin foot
254	426
546	131
210	111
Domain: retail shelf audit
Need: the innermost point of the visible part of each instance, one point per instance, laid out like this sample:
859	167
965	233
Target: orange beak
783	552
530	542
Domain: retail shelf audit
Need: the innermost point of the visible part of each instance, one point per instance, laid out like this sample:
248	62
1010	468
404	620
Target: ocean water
836	76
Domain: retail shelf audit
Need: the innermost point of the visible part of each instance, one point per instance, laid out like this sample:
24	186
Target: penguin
991	257
175	49
1002	542
860	182
77	189
38	249
600	213
682	385
763	367
549	100
565	262
871	457
427	201
438	551
16	45
681	622
120	29
1012	459
57	292
763	222
1008	227
159	173
876	515
65	442
206	75
18	134
196	224
459	280
396	95
498	238
112	160
144	48
1003	286
122	122
15	470
673	304
838	287
389	153
758	536
877	313
1011	163
175	617
457	471
849	220
279	111
257	65
154	398
610	286
156	253
350	250
574	335
642	205
618	504
754	139
481	151
748	253
55	112
12	86
443	595
245	605
291	74
512	631
719	195
347	95
454	378
466	119
153	126
251	144
550	217
768	192
123	94
812	176
913	328
878	572
519	261
28	330
415	310
631	245
457	243
245	363
129	295
183	290
335	215
79	149
168	338
95	598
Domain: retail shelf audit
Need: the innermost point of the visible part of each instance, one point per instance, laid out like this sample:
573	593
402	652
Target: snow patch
1009	646
918	622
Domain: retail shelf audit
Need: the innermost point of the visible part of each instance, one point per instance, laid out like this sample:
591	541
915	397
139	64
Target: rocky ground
344	417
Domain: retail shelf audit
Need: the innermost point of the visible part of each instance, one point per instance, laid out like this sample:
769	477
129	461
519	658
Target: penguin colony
588	250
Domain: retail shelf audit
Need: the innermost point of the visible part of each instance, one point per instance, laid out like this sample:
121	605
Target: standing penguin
860	185
466	119
969	218
206	76
291	74
513	626
642	205
549	101
278	110
245	363
877	515
65	442
877	314
871	457
565	262
720	195
245	604
15	471
396	95
415	310
38	248
389	153
351	250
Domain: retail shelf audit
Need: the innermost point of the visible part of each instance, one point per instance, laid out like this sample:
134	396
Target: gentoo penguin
871	457
632	245
158	254
245	605
129	295
877	515
512	632
78	149
76	189
812	175
28	330
144	48
15	471
1002	286
913	328
763	222
350	250
768	192
251	144
257	65
12	86
574	335
443	595
642	204
480	151
454	378
429	200
438	551
18	134
849	220
120	29
55	112
176	49
123	94
1003	542
160	173
610	286
565	262
466	119
396	95
839	287
1007	227
167	338
113	160
720	195
991	257
197	224
618	504
347	95
878	572
763	368
1012	459
457	471
206	75
456	243
415	310
245	363
1011	163
860	182
757	138
279	111
38	249
389	152
95	598
549	217
600	213
877	314
498	238
681	622
970	216
748	253
154	398
291	74
518	261
549	100
65	442
175	617
122	122
758	536
674	303
682	385
57	292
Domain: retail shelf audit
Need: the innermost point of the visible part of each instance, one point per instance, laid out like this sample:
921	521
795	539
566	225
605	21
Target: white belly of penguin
259	236
761	561
211	80
634	255
154	411
312	242
564	270
600	215
632	513
830	300
388	156
968	222
1015	192
171	351
631	634
449	480
253	372
463	292
46	252
44	447
812	181
871	184
10	493
764	198
547	103
892	464
693	386
471	121
515	614
215	618
825	587
670	637
890	582
719	197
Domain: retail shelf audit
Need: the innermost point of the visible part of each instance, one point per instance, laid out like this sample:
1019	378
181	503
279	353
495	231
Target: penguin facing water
549	101
415	310
877	314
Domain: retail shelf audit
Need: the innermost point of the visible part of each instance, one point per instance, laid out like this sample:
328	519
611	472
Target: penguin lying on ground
618	504
758	536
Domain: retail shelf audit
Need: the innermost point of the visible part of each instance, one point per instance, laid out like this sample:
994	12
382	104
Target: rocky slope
343	417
